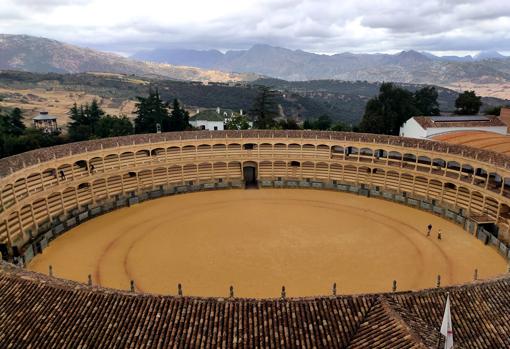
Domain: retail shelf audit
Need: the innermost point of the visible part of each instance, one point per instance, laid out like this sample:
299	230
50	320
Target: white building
212	119
428	126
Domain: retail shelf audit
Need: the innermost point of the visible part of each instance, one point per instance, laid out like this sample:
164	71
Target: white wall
412	129
208	125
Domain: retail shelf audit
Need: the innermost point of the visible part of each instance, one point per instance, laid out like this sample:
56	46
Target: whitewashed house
212	119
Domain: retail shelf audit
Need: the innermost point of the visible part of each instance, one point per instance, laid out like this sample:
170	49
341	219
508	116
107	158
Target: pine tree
15	121
265	109
94	114
179	118
84	121
151	110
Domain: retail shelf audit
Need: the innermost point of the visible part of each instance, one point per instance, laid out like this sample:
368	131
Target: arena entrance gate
4	252
250	175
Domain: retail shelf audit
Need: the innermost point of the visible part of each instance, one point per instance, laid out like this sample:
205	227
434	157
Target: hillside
483	71
343	101
40	55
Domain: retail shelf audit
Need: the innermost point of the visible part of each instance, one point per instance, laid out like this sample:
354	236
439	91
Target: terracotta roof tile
43	312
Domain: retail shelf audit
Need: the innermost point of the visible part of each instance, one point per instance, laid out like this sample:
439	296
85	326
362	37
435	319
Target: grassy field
58	101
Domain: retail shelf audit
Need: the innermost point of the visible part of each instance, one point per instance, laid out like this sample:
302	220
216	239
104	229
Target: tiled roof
209	115
37	311
477	139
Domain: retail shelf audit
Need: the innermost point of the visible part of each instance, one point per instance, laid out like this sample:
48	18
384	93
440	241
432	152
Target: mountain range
406	66
41	55
488	73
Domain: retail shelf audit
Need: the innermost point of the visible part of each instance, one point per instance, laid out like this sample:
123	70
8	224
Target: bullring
47	191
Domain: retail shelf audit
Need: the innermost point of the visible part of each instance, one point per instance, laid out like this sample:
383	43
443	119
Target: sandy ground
259	240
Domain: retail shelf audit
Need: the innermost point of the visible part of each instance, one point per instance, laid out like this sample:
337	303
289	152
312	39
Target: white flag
446	327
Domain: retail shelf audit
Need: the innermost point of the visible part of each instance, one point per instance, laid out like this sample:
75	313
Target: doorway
250	176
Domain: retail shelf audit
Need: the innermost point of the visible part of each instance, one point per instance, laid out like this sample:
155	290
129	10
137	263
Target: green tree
237	122
426	101
12	122
32	138
323	123
340	126
264	109
468	103
386	112
15	121
150	111
94	113
113	126
288	124
373	120
493	110
179	118
84	120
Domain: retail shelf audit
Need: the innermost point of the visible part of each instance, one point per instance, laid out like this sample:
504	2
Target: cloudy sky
323	26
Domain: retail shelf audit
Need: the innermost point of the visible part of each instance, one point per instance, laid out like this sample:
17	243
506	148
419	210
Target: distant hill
407	66
41	55
341	100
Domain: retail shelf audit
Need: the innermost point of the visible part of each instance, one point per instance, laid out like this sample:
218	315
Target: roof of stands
477	139
43	312
14	163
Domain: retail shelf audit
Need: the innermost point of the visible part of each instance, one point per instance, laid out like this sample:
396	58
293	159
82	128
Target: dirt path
259	240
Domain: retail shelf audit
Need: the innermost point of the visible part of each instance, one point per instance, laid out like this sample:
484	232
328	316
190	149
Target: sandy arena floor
259	240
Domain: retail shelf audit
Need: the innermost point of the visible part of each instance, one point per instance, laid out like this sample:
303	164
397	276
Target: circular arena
332	251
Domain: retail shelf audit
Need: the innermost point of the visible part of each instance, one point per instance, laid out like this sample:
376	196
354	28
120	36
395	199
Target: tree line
384	114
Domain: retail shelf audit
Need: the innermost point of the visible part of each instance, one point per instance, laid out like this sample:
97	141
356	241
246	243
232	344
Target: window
215	128
202	127
294	164
248	146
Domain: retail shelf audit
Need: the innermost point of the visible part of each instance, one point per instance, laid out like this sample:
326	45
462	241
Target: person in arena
429	229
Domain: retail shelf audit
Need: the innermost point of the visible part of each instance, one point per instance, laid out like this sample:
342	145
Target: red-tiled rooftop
38	311
477	139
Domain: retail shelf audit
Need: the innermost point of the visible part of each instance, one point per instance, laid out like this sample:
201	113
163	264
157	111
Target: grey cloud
47	4
313	25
